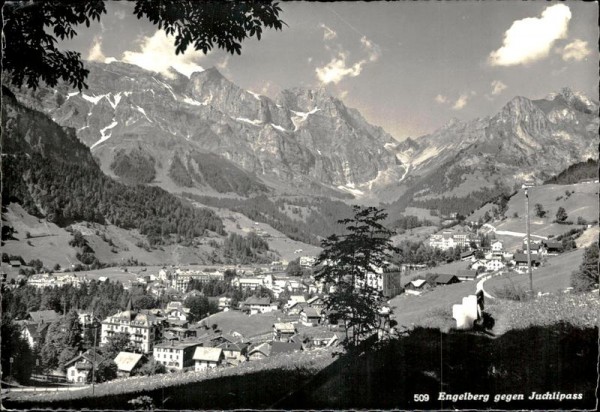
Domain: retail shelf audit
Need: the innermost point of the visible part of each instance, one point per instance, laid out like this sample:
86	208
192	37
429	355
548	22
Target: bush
586	277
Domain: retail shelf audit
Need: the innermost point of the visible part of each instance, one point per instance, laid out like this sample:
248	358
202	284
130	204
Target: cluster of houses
493	260
171	339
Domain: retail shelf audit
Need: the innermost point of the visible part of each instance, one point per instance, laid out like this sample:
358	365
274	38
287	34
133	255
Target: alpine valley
207	158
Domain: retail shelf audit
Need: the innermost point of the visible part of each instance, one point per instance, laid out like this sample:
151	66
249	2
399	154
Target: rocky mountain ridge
302	140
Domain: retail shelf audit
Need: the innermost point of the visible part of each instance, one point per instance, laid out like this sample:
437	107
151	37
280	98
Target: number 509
421	398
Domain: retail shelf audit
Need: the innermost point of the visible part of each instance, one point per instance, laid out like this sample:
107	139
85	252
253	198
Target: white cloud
157	53
371	48
338	67
498	87
532	38
336	70
462	100
328	34
576	50
441	99
96	54
120	14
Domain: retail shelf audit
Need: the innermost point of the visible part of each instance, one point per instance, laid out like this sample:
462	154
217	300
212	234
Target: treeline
576	173
462	205
261	209
101	298
134	167
422	254
215	171
249	249
69	192
409	222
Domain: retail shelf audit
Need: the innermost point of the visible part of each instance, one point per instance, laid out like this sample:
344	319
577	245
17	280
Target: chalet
260	351
416	284
285	347
307	261
323	338
497	246
467	256
256	305
521	260
176	310
295	308
553	247
283	331
464	275
435	279
535	248
234	352
128	363
15	263
43	316
175	355
316	302
33	332
81	365
310	316
494	265
205	358
478	264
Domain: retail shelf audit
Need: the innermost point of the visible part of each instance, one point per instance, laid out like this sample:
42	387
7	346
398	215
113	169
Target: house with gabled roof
259	351
310	316
81	366
43	316
283	331
33	332
207	357
234	352
466	274
256	305
128	363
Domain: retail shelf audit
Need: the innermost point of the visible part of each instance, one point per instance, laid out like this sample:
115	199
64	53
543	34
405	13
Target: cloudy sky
408	67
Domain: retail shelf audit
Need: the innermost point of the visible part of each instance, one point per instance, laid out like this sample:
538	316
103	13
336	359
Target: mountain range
205	135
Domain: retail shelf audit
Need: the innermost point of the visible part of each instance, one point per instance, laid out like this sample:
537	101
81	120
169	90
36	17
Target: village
284	309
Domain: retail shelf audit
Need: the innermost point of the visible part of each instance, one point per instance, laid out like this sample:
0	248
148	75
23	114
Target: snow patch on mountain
104	137
249	121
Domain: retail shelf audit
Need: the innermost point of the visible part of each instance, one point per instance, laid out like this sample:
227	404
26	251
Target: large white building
180	279
448	239
143	329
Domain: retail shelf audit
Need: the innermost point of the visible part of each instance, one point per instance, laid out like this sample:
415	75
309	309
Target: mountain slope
528	140
52	174
217	133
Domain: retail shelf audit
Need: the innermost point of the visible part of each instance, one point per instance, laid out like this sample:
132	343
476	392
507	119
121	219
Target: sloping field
247	325
554	276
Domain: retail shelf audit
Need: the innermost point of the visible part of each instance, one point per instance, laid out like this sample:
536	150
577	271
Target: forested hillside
576	173
52	175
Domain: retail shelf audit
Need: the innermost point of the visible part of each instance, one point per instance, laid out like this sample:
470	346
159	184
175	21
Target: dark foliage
31	32
346	262
134	167
576	173
586	277
70	192
240	249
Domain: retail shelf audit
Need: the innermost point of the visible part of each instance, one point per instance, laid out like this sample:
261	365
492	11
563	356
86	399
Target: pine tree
586	277
345	263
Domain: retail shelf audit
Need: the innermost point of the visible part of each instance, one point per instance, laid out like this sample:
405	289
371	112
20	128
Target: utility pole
528	240
94	361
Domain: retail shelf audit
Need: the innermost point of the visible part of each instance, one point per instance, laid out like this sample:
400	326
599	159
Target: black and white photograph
295	205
